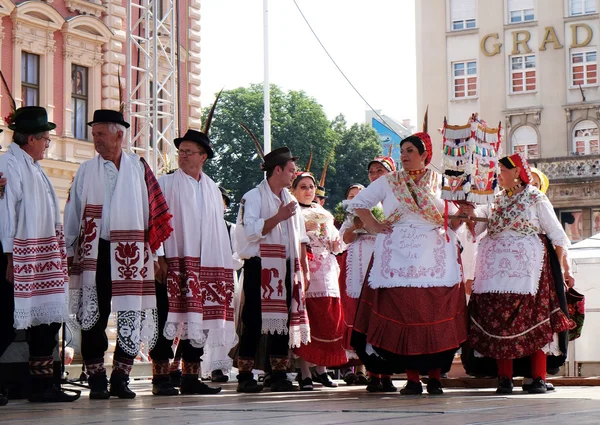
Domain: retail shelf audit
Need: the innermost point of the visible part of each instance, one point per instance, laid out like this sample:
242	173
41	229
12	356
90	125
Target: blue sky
372	41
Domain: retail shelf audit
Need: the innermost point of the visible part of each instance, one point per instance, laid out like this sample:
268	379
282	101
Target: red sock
538	365
413	375
505	368
435	374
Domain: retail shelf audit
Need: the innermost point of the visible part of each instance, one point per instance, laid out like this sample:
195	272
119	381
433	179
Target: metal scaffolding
151	101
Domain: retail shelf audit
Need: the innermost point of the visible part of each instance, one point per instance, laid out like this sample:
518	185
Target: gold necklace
511	191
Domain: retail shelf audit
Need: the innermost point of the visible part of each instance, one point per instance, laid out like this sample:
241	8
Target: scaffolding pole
151	81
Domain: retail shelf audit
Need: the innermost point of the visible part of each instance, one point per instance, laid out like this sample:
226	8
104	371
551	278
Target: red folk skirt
410	328
326	319
511	326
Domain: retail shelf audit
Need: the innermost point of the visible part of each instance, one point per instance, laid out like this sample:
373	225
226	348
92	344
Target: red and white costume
323	302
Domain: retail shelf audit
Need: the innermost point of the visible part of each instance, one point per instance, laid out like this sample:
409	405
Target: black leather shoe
505	386
387	386
53	395
119	387
412	388
98	387
434	387
3	400
306	384
549	387
249	386
282	386
196	386
218	376
326	380
374	385
361	379
350	378
538	386
164	388
267	380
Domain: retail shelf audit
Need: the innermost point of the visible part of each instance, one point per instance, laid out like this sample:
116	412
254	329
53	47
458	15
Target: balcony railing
570	169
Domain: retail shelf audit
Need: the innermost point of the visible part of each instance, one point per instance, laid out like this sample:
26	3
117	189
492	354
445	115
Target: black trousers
252	313
41	339
94	341
163	350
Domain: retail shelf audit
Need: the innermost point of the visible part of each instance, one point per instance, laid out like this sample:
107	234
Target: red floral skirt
511	326
326	333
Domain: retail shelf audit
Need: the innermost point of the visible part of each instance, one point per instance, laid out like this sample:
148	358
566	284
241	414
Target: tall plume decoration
309	161
121	94
322	180
209	117
255	140
425	118
13	105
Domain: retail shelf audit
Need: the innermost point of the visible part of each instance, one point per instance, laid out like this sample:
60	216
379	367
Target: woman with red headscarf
515	307
411	314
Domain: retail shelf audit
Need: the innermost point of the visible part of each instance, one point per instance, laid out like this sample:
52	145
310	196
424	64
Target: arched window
585	138
525	139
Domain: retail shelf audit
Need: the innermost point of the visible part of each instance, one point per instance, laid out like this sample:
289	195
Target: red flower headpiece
386	161
428	145
518	160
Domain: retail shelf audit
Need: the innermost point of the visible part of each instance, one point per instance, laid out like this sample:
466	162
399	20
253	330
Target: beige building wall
92	34
547	115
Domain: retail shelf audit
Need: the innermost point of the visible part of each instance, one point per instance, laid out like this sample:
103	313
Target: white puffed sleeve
550	224
370	197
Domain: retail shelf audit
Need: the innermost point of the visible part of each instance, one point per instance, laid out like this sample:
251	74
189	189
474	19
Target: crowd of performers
385	294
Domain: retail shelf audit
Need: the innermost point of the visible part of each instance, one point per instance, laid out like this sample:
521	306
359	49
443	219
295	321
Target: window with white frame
79	101
525	139
581	7
30	79
522	74
521	11
463	14
584	68
585	138
464	76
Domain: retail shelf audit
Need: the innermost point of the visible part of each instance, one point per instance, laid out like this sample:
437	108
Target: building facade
532	66
390	132
68	56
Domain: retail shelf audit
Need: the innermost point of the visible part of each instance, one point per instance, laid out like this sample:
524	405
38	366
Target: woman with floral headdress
411	314
323	303
517	307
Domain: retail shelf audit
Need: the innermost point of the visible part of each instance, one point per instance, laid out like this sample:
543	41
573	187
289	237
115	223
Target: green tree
297	121
356	146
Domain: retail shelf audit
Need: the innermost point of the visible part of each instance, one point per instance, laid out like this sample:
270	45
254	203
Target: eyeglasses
188	152
47	139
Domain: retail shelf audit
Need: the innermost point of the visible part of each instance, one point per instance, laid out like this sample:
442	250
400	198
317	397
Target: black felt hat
198	137
31	120
278	157
320	192
108	116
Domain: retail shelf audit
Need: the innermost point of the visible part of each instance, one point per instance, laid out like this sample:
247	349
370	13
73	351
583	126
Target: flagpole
266	84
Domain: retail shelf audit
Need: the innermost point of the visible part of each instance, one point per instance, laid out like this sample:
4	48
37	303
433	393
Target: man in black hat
33	283
320	196
271	240
198	258
115	221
